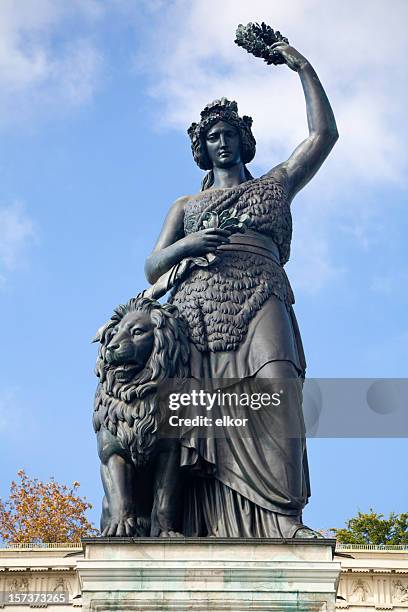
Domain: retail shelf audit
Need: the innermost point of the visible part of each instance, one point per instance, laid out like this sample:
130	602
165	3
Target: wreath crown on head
221	110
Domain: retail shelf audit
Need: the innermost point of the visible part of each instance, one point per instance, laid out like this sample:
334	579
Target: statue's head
215	118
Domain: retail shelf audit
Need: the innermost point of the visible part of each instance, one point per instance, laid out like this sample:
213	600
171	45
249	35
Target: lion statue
142	347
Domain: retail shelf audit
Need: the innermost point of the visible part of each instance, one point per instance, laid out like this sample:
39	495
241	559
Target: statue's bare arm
173	245
307	158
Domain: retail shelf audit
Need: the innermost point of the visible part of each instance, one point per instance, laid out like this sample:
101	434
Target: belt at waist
252	242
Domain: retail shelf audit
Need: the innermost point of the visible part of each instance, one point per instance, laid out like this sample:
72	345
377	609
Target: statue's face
223	145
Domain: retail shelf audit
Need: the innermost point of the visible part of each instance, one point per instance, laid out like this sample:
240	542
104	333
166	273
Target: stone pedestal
140	574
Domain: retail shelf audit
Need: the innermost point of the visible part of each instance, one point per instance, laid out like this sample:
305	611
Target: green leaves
373	528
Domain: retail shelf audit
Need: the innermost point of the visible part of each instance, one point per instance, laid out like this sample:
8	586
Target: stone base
215	574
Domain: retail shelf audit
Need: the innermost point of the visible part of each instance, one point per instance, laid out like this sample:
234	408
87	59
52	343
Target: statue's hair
208	180
221	110
131	411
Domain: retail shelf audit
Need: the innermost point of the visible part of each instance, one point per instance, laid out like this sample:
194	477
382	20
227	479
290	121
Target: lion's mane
132	411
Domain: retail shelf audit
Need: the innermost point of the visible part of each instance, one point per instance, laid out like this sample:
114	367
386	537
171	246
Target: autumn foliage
39	511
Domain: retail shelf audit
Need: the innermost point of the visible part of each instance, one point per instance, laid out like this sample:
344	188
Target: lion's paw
121	527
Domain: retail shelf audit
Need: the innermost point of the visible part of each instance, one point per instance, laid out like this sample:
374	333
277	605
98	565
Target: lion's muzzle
119	354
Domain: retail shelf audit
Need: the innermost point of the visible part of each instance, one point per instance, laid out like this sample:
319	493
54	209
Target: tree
373	528
39	511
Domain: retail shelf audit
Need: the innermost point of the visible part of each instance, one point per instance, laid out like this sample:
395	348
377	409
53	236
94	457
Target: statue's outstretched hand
290	55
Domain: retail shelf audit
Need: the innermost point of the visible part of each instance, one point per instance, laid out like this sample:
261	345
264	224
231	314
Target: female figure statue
240	317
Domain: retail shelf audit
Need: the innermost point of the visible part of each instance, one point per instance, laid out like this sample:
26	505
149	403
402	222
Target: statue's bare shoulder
173	226
176	211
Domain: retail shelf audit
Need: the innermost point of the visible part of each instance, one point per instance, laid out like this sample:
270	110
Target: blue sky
95	98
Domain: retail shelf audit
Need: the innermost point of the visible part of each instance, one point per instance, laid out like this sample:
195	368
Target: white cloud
17	234
312	264
358	50
40	64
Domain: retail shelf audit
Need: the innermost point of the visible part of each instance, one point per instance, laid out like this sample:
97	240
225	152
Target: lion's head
130	347
142	346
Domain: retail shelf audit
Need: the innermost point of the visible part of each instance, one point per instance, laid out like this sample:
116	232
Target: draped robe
240	317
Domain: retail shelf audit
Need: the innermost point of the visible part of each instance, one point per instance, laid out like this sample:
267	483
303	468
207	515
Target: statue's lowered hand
204	241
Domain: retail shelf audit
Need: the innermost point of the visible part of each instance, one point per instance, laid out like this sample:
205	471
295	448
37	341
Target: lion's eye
137	332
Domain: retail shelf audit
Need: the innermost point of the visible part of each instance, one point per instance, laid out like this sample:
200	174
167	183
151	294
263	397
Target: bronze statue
221	252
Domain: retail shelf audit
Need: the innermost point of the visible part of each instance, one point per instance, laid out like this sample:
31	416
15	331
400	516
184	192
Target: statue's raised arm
307	158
